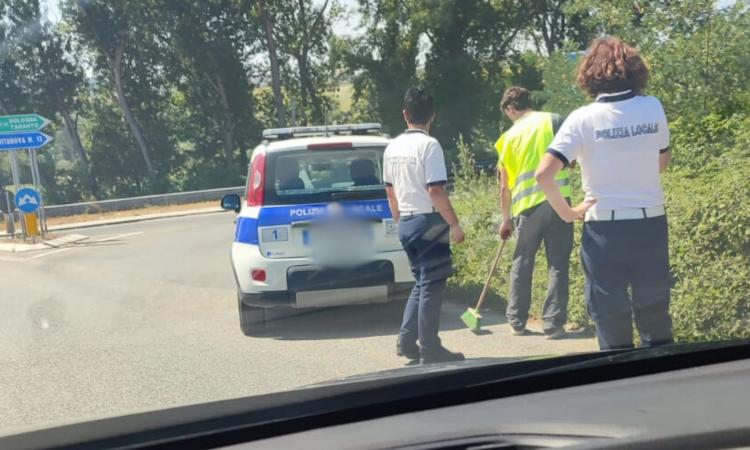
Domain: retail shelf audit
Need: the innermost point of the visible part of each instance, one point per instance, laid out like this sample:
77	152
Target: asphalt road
143	316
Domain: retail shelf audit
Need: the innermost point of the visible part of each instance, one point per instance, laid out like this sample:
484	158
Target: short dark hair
611	65
419	105
517	97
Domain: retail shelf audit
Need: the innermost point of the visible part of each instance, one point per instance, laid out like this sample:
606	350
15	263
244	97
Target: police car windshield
314	176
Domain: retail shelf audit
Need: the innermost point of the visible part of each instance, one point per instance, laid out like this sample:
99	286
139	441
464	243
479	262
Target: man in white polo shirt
621	142
415	176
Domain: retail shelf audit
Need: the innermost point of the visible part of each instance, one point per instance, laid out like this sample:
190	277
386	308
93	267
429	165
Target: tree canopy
151	96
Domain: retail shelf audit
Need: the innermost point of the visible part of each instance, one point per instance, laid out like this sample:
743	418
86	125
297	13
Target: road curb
45	245
132	219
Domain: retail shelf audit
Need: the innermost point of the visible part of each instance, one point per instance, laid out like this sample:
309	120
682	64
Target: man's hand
579	211
457	234
506	229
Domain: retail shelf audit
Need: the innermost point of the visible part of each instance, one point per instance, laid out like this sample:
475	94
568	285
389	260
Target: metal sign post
17	187
36	179
11	225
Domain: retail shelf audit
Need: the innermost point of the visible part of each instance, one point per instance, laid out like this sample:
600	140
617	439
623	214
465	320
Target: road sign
17	141
22	122
28	200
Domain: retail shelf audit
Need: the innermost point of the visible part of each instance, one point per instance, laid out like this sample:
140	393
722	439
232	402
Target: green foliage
383	63
470	41
710	248
561	93
698	141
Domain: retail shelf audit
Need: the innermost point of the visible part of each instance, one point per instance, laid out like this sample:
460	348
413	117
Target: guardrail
121	204
176	198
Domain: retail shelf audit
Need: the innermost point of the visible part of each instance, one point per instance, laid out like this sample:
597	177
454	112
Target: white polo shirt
616	141
413	161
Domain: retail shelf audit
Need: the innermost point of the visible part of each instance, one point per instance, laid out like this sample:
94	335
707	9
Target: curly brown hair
611	65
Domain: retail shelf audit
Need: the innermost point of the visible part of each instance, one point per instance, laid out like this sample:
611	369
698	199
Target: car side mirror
231	202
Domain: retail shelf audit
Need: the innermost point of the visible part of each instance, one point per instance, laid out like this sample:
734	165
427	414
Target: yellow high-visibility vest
520	149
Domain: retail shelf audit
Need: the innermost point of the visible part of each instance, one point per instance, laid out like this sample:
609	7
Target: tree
695	51
553	25
383	62
208	38
107	26
46	78
266	20
303	31
470	41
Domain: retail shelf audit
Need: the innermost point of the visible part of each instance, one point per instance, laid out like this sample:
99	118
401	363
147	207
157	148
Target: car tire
252	319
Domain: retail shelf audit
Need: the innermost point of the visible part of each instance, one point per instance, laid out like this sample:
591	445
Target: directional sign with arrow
22	122
14	141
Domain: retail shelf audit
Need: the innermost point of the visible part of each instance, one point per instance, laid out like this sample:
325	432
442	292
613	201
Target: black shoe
555	333
408	351
441	355
521	331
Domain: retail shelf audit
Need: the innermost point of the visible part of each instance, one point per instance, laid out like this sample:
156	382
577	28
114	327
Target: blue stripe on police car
247	227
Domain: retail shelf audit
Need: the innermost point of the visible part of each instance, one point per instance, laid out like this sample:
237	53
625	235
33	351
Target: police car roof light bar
323	130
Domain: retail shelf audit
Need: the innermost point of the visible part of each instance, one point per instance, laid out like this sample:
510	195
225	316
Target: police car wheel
252	319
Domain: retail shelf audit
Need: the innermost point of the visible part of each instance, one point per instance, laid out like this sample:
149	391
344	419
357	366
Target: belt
417	212
594	215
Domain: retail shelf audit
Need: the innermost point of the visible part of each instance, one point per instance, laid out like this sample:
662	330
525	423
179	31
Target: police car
315	229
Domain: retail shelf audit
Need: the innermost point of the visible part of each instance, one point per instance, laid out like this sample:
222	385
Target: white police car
315	229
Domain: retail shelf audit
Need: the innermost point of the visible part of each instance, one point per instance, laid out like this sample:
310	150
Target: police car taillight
256	181
258	274
331	146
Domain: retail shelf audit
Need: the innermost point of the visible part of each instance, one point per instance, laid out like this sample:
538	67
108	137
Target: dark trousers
426	241
534	226
626	263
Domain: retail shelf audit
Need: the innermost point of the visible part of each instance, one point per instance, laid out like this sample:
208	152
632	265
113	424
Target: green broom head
472	319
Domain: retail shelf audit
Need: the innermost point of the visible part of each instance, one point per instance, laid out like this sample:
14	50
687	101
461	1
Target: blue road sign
28	200
15	141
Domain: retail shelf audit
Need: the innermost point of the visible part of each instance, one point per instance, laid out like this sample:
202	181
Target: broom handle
486	287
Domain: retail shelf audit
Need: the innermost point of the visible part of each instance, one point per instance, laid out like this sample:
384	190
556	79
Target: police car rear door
321	183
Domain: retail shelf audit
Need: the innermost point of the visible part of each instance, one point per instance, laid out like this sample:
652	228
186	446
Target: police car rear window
325	175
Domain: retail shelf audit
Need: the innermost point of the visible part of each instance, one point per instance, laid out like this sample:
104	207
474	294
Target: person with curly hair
621	142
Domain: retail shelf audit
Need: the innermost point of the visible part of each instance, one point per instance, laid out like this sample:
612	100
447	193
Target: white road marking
116	237
51	252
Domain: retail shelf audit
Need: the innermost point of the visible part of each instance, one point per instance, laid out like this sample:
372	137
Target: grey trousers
537	224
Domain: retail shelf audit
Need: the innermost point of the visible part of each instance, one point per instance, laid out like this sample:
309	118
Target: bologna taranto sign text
22	122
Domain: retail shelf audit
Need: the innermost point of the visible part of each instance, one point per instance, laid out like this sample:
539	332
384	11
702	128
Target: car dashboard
703	407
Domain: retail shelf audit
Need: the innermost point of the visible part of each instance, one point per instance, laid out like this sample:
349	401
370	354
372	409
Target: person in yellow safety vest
525	208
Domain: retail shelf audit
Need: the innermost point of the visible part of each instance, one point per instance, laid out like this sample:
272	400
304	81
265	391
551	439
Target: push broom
471	317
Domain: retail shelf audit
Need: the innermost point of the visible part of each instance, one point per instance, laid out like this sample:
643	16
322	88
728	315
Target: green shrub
709	220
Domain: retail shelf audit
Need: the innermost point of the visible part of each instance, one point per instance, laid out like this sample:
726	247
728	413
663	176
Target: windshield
217	199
